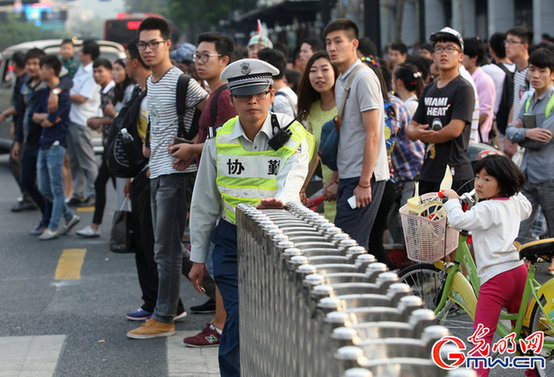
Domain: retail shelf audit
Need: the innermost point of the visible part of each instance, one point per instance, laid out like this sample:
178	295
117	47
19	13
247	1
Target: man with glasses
443	117
170	188
213	54
239	166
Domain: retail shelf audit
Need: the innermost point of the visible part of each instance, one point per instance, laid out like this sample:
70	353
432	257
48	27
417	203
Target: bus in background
124	28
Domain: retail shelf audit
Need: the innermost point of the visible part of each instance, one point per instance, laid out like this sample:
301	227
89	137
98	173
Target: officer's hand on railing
196	276
271	203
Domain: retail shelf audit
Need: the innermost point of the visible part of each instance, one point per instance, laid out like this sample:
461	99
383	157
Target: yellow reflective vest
247	177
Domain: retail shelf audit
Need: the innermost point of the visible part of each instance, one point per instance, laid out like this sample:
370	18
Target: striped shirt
520	87
162	113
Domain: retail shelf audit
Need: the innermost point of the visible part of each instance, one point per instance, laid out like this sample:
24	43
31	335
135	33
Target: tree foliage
192	17
146	6
195	17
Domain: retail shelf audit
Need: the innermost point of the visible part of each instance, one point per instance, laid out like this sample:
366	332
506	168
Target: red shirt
224	112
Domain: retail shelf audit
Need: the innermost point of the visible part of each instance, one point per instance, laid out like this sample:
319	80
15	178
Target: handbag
329	141
120	237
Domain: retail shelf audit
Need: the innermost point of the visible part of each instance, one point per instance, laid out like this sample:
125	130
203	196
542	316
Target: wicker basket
425	233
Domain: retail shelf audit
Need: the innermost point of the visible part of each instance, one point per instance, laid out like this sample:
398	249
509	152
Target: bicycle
442	285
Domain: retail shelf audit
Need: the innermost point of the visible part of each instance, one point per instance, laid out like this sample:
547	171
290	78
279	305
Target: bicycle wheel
539	323
425	281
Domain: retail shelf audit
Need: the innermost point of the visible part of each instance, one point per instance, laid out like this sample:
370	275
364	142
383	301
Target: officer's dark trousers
225	260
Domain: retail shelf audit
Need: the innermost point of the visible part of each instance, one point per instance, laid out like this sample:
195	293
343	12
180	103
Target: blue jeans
170	200
50	182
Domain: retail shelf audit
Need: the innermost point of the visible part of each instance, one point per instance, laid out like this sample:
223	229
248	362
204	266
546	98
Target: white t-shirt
286	102
84	85
411	105
474	135
162	112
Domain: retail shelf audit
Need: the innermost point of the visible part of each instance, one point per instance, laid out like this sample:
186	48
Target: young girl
494	222
408	85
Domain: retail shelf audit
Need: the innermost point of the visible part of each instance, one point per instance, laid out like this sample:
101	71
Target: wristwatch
57	91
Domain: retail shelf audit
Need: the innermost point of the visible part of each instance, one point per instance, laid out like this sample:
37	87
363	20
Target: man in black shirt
443	117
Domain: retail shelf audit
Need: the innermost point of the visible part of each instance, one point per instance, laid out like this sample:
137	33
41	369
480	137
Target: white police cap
249	76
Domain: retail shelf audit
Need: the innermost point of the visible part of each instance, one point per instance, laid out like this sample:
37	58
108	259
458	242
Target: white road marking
30	356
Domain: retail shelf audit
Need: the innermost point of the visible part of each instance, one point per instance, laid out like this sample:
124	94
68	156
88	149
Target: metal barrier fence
315	304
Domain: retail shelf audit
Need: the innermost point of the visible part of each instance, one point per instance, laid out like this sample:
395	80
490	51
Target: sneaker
48	234
138	315
205	308
209	337
88	232
152	329
180	317
66	227
73	202
37	231
24	206
88	202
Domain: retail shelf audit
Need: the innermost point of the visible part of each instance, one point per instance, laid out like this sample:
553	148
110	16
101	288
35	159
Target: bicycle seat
532	249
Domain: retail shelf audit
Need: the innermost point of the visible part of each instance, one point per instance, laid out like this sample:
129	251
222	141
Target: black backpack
506	101
125	159
182	88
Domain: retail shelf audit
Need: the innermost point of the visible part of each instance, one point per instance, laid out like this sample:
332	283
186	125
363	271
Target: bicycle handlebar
467	199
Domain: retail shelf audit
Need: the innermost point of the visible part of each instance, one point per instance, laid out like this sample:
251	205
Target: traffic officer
248	161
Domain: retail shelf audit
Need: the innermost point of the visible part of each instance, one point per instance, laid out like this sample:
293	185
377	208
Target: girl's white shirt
494	225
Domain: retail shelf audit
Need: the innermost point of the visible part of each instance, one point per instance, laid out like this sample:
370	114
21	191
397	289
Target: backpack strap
182	87
281	93
212	132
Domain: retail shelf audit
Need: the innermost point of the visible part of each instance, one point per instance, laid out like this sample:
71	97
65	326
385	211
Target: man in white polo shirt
85	102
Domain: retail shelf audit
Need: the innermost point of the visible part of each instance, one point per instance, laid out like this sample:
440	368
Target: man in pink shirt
474	58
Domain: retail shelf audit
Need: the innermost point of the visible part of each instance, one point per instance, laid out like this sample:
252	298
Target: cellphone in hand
352	201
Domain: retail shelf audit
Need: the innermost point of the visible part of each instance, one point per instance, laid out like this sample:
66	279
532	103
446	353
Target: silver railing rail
313	303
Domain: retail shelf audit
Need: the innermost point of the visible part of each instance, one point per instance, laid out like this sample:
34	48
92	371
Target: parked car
109	50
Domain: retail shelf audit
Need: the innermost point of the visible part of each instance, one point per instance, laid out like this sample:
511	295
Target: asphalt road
86	314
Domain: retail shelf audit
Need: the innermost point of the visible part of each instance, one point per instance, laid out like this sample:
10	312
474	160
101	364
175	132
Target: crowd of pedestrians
403	118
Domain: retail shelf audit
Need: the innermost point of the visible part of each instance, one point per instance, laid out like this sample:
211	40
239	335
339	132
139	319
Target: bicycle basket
428	237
